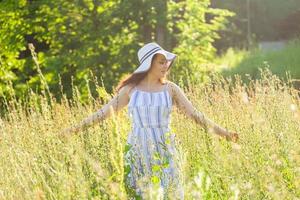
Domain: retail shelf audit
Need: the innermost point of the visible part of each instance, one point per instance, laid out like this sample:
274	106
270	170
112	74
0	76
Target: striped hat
146	53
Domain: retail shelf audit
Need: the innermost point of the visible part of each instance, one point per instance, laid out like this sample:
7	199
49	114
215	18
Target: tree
101	37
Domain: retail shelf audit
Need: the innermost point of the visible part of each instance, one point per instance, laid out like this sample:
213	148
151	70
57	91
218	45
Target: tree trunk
147	30
161	25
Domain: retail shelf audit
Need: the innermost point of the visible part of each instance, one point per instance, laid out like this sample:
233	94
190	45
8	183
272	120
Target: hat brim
145	66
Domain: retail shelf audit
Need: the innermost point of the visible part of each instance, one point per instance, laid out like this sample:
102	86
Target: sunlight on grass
37	164
248	62
230	59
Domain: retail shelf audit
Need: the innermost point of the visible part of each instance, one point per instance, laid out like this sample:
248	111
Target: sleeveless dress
150	152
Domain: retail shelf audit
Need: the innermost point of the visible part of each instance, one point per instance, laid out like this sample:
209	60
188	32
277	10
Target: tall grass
35	163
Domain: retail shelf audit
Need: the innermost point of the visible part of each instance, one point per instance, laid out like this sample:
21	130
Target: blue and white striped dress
151	152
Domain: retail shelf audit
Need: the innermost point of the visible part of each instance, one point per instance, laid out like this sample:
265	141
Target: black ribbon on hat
149	54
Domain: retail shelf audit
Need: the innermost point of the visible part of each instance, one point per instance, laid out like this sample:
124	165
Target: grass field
37	164
248	62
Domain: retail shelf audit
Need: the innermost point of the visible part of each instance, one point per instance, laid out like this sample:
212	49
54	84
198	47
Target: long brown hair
135	78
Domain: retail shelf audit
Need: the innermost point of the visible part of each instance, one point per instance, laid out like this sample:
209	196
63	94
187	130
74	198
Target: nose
167	64
165	67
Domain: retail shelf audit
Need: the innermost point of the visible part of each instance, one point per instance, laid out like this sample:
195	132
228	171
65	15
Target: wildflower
208	183
235	190
198	179
293	107
236	146
244	97
271	188
278	162
273	156
248	186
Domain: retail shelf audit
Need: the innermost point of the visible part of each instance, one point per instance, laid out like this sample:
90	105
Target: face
159	66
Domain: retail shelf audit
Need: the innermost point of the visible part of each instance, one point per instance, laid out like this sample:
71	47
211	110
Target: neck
151	80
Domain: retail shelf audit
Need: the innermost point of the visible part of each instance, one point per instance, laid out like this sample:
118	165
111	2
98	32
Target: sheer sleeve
119	101
184	104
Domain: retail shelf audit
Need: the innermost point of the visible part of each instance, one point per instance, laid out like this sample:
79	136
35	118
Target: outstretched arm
119	101
186	106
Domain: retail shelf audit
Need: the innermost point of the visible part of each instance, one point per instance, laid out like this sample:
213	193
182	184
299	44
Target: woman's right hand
67	132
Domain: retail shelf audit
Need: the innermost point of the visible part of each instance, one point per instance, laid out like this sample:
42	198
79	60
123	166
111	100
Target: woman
149	97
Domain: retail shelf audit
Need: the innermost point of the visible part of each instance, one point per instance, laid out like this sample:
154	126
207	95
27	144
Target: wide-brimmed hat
146	53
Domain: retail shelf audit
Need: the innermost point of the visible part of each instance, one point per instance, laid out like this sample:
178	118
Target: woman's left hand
232	136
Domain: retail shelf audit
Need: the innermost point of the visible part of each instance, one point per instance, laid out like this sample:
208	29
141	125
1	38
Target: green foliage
77	40
196	35
279	62
13	27
265	21
82	36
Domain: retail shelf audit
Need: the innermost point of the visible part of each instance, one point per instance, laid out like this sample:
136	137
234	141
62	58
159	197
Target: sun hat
146	53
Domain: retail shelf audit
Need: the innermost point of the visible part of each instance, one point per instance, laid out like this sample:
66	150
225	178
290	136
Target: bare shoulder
126	90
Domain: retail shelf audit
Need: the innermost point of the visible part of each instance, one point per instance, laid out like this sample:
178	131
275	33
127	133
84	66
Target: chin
162	75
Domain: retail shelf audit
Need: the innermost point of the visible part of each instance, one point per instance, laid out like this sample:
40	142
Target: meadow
281	61
35	163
